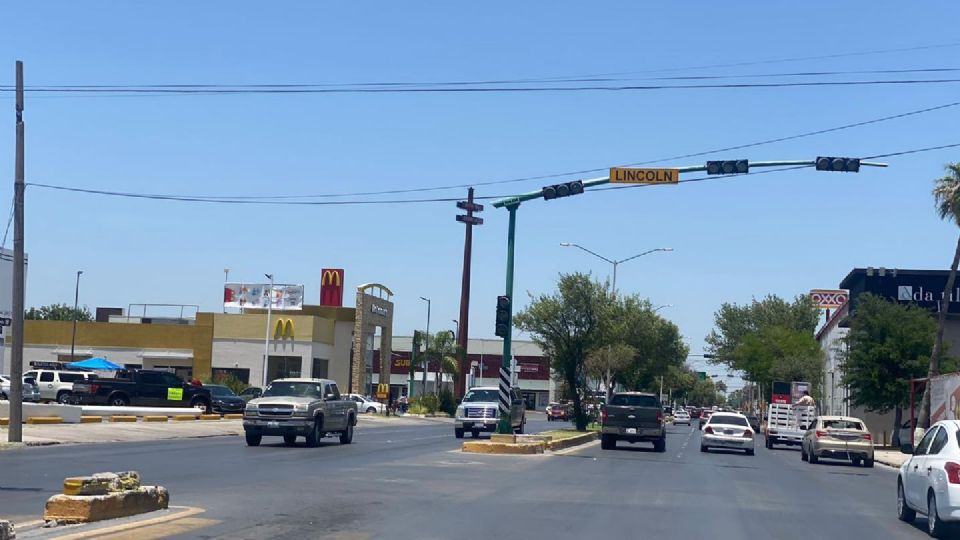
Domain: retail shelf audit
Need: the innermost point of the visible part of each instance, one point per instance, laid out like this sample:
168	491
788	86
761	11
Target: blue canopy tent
101	364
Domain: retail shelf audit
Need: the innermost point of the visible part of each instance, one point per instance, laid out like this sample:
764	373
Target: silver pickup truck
309	408
479	411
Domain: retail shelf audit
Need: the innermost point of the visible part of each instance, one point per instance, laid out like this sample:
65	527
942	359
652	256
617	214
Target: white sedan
929	482
681	417
365	404
727	430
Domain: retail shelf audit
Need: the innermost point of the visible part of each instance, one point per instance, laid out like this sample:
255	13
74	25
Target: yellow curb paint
102	532
210	417
4	421
44	420
154	418
233	417
91	420
184	417
123	418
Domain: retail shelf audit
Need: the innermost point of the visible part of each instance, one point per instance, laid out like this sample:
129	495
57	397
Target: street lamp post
76	305
658	308
266	341
615	264
426	352
226	279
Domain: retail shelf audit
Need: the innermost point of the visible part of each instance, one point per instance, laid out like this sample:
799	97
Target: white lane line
683	447
389	441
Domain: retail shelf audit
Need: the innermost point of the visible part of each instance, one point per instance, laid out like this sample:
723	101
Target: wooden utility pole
463	323
15	433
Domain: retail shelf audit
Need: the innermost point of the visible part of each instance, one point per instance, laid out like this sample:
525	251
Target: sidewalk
41	435
893	458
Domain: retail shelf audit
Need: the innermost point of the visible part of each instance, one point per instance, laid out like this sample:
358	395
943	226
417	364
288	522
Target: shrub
446	402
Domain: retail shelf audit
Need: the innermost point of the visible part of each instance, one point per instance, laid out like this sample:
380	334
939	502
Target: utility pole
266	341
15	433
463	337
426	352
505	426
76	304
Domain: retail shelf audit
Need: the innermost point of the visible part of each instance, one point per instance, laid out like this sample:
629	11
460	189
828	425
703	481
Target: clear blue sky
735	239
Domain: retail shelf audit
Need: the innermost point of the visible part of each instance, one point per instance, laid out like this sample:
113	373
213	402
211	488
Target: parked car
479	411
311	408
838	437
681	417
30	392
252	392
929	482
558	412
142	388
727	430
57	385
633	417
224	401
366	404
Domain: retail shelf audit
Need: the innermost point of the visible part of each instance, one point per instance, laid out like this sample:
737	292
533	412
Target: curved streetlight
658	308
615	263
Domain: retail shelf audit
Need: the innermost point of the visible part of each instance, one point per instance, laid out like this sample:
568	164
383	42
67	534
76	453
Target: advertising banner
945	398
259	295
829	298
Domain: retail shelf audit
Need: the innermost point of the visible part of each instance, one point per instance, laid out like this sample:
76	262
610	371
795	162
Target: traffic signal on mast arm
562	190
732	166
838	164
503	316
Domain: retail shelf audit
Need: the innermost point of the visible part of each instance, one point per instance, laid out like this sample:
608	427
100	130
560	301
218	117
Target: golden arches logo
330	277
283	329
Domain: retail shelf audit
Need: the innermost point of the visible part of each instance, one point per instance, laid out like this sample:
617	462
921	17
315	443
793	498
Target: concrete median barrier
119	418
572	441
210	417
155	418
69	414
104	496
43	420
237	416
91	419
184	417
490	447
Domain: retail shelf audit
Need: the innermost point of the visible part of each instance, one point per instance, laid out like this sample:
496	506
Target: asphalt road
411	482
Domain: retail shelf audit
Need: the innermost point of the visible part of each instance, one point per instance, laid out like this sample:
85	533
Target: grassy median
561	434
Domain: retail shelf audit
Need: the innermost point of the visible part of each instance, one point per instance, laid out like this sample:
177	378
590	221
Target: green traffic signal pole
513	203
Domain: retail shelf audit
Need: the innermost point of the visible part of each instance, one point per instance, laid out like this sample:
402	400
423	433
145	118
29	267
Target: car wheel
868	463
63	397
936	528
371	410
608	442
253	440
3	396
119	401
660	445
458	433
313	437
750	451
904	512
703	449
856	462
812	458
346	436
201	404
803	453
290	439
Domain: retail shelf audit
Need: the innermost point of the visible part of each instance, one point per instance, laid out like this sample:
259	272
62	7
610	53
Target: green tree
58	312
568	325
680	380
887	345
443	349
733	323
658	343
946	194
616	358
704	394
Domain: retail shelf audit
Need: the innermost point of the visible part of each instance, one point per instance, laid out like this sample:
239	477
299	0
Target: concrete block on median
123	418
154	418
4	421
86	509
233	417
69	414
210	417
91	420
483	447
44	420
498	438
184	417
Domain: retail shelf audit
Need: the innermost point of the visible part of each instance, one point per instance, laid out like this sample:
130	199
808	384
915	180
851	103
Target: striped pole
506	365
505	400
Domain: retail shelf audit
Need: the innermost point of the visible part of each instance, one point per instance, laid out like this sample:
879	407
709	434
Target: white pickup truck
787	423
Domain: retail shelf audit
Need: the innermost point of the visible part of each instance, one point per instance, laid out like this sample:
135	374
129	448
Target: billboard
829	298
331	287
945	398
260	296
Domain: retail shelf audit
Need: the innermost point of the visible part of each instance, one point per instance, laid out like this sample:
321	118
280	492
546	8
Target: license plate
631	431
273	424
728	432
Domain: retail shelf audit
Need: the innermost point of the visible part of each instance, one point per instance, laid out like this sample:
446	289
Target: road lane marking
187	511
683	447
390	441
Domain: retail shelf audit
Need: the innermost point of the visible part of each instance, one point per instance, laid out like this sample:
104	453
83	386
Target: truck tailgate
641	417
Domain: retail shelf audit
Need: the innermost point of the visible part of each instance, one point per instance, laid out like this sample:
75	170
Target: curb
44	420
123	419
563	444
233	416
154	418
183	417
209	417
91	419
485	447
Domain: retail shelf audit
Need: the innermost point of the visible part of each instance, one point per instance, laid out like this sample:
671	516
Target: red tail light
821	434
708	429
747	434
953	472
94	388
603	416
867	437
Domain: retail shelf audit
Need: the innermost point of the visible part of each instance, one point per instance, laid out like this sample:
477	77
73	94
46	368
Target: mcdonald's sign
331	287
284	329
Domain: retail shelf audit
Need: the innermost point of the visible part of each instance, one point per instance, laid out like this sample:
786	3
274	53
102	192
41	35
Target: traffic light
562	190
503	316
732	166
416	341
838	164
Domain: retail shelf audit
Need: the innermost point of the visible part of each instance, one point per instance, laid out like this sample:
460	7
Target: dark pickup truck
633	417
142	388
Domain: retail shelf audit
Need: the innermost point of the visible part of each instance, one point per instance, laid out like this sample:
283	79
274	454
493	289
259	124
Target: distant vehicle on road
786	423
838	437
142	388
252	392
291	408
224	401
754	422
30	393
704	417
727	430
558	412
929	482
479	411
681	417
365	404
633	417
57	385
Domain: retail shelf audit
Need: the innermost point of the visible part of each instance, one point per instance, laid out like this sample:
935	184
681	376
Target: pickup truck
311	408
141	388
479	411
633	417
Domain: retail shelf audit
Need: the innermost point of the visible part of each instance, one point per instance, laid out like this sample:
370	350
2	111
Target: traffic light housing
562	190
503	316
838	164
731	166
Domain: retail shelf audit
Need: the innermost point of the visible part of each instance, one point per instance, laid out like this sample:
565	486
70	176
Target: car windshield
294	389
474	396
218	390
842	424
728	420
631	400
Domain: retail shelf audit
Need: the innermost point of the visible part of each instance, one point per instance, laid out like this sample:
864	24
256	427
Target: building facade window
241	374
321	368
283	367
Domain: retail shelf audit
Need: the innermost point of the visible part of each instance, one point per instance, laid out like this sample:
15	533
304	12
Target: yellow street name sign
644	176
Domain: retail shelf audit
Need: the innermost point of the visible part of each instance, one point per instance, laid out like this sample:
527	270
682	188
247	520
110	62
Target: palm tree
946	193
